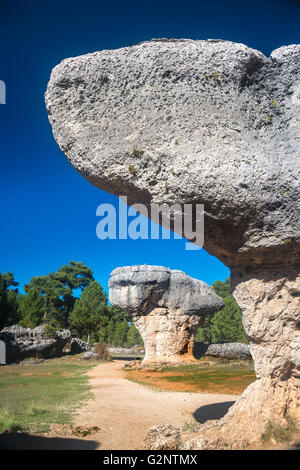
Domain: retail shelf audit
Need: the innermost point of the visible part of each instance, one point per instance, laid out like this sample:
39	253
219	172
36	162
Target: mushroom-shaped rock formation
167	306
212	122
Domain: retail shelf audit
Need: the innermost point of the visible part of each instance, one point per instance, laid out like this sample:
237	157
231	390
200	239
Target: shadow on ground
24	441
295	446
127	358
199	349
214	411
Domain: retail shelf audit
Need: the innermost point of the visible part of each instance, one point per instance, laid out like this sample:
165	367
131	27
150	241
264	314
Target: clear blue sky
48	209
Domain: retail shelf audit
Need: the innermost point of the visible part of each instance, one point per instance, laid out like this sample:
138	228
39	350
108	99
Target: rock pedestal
216	123
270	302
167	308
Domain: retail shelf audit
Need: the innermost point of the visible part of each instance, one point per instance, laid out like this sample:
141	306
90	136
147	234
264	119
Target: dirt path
124	410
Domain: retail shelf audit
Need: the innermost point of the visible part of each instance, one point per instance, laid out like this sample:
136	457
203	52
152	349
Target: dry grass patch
217	377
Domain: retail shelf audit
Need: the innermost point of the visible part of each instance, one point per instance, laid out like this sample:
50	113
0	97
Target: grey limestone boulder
167	306
229	350
22	343
78	346
90	355
214	122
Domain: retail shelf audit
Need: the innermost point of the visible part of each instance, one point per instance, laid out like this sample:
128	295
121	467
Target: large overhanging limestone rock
210	122
217	121
167	308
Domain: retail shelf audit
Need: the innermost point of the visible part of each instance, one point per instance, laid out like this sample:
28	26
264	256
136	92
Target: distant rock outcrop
90	355
22	343
134	350
167	308
79	346
229	350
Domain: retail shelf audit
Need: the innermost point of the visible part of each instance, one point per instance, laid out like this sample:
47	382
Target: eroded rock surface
212	122
90	355
79	346
187	122
167	306
270	303
225	350
22	343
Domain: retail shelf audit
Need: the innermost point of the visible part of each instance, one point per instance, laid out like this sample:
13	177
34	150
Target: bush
102	351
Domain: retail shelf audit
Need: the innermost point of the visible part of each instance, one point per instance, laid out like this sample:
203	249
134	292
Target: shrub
131	169
189	427
138	153
102	351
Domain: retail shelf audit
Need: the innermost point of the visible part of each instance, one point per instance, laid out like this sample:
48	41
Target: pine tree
88	310
121	331
75	275
31	309
8	300
133	336
52	291
110	332
226	325
57	291
222	288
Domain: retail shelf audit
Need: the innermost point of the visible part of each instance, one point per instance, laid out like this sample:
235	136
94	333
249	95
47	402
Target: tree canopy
8	300
67	298
225	326
89	311
57	291
72	298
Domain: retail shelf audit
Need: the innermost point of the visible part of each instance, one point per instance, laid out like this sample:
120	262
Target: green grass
215	363
189	427
32	396
8	422
231	379
215	376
